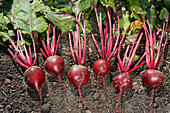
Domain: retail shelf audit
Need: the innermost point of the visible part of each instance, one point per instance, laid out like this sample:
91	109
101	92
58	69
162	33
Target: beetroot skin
78	75
122	82
152	78
35	78
54	65
101	67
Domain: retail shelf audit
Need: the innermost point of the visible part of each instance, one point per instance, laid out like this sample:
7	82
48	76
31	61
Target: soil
17	97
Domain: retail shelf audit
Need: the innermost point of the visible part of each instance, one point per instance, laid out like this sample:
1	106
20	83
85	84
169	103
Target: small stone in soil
88	111
46	108
7	81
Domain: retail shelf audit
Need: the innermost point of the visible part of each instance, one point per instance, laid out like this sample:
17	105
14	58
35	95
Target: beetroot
35	78
34	75
101	67
54	65
151	77
78	75
122	82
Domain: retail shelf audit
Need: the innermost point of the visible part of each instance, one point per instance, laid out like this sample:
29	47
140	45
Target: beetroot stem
62	85
160	45
106	28
152	97
17	59
35	54
134	50
110	35
58	40
72	52
82	99
53	42
125	55
79	42
48	39
26	53
100	52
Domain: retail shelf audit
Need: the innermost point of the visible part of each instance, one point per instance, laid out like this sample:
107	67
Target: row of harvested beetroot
111	44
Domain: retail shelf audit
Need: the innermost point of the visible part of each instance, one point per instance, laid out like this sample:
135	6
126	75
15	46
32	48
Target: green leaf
107	3
64	22
151	14
124	22
135	57
164	14
5	36
24	16
11	33
88	27
136	9
2	19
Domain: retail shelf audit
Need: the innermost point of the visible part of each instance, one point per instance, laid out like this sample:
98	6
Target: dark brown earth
17	97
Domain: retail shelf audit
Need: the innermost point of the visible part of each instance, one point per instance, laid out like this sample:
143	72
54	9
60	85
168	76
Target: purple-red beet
122	82
101	67
152	78
35	78
78	75
54	65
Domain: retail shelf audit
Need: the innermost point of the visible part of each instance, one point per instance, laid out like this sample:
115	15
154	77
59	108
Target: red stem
94	40
53	42
58	40
133	53
62	86
82	99
71	47
48	40
152	97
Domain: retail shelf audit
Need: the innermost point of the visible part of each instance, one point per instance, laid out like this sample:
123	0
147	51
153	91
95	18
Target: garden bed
17	97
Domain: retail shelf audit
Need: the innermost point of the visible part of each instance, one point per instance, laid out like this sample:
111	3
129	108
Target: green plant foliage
64	22
151	14
164	14
24	16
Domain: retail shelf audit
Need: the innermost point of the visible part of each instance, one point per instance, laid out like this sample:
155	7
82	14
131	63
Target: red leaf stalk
154	52
20	53
50	49
106	50
80	51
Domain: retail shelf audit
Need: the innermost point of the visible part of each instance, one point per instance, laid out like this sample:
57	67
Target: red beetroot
78	75
35	78
108	47
34	75
151	77
122	82
101	67
54	65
